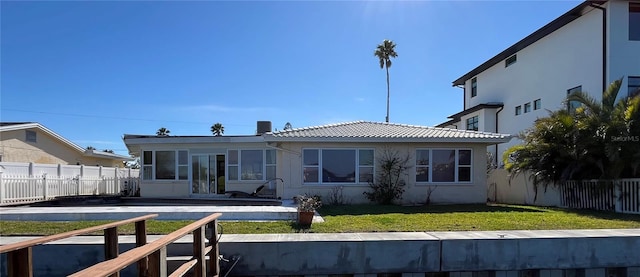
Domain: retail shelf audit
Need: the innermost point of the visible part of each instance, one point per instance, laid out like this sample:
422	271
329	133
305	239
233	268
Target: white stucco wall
624	54
290	169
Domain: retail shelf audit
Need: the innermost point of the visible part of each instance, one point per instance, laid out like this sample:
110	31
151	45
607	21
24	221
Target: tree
597	141
385	51
287	126
217	129
91	148
388	184
163	132
108	151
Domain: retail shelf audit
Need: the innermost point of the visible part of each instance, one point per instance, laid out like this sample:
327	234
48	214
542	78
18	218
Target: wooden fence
621	196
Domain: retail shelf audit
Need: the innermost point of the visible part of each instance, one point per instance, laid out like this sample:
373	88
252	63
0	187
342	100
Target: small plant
335	196
308	203
389	182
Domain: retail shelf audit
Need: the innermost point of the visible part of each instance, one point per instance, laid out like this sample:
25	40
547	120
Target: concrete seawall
496	253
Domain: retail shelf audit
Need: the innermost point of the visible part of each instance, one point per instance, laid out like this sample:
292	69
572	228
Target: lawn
374	218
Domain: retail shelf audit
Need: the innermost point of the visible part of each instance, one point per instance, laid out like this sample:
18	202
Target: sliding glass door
207	174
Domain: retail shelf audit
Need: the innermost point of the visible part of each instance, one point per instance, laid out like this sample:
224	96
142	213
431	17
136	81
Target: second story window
634	21
472	123
537	104
510	60
634	85
527	107
518	110
573	105
474	87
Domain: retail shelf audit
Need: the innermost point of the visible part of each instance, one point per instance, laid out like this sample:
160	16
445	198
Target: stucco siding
290	169
624	54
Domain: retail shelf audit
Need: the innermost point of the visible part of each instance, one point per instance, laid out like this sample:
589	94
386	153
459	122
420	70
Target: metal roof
365	131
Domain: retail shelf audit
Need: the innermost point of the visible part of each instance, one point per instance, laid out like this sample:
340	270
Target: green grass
375	218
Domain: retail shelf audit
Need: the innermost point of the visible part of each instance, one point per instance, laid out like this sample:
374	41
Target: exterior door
207	174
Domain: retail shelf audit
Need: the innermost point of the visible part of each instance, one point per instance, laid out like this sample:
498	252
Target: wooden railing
19	255
155	253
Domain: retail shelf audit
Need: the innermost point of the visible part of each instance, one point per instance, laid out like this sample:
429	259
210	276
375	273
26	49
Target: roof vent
264	127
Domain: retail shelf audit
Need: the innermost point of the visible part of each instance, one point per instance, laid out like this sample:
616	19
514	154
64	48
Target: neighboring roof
554	25
13	126
456	117
364	131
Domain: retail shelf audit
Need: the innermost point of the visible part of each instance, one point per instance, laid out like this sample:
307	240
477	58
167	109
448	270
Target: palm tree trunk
387	118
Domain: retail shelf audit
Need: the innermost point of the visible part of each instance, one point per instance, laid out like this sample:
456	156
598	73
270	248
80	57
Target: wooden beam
158	263
141	239
184	268
198	252
111	245
20	263
214	254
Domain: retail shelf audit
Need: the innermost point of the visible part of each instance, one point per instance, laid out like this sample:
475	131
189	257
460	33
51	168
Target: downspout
604	44
495	189
497	112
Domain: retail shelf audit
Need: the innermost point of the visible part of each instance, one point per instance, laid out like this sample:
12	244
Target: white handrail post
617	188
2	184
44	186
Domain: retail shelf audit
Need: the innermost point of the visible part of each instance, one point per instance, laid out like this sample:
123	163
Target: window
634	86
574	272
472	123
248	165
510	60
518	110
529	273
616	272
474	87
163	165
443	165
527	107
573	105
30	136
537	104
634	21
338	165
147	165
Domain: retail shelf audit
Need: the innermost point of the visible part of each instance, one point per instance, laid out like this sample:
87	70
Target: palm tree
288	126
385	51
217	129
163	132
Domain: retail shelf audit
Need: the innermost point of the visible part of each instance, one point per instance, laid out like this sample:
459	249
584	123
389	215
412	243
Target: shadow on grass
608	215
335	210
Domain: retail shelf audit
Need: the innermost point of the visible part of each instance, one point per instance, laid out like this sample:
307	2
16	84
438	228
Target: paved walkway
287	211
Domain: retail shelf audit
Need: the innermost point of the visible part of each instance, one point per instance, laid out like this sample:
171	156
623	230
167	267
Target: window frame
473	121
457	166
30	136
511	60
636	85
238	165
357	166
570	108
474	87
150	167
527	107
518	110
537	104
634	27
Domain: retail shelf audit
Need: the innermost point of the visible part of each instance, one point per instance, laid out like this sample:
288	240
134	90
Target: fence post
1	188
30	169
617	187
45	190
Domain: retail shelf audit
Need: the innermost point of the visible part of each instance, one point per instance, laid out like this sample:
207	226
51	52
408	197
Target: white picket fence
622	196
19	184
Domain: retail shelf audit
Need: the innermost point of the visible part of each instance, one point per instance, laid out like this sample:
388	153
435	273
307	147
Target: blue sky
93	71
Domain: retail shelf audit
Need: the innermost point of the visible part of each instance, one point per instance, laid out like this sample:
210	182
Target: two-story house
584	49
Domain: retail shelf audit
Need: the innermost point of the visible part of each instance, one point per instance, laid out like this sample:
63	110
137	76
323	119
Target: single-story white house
316	160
